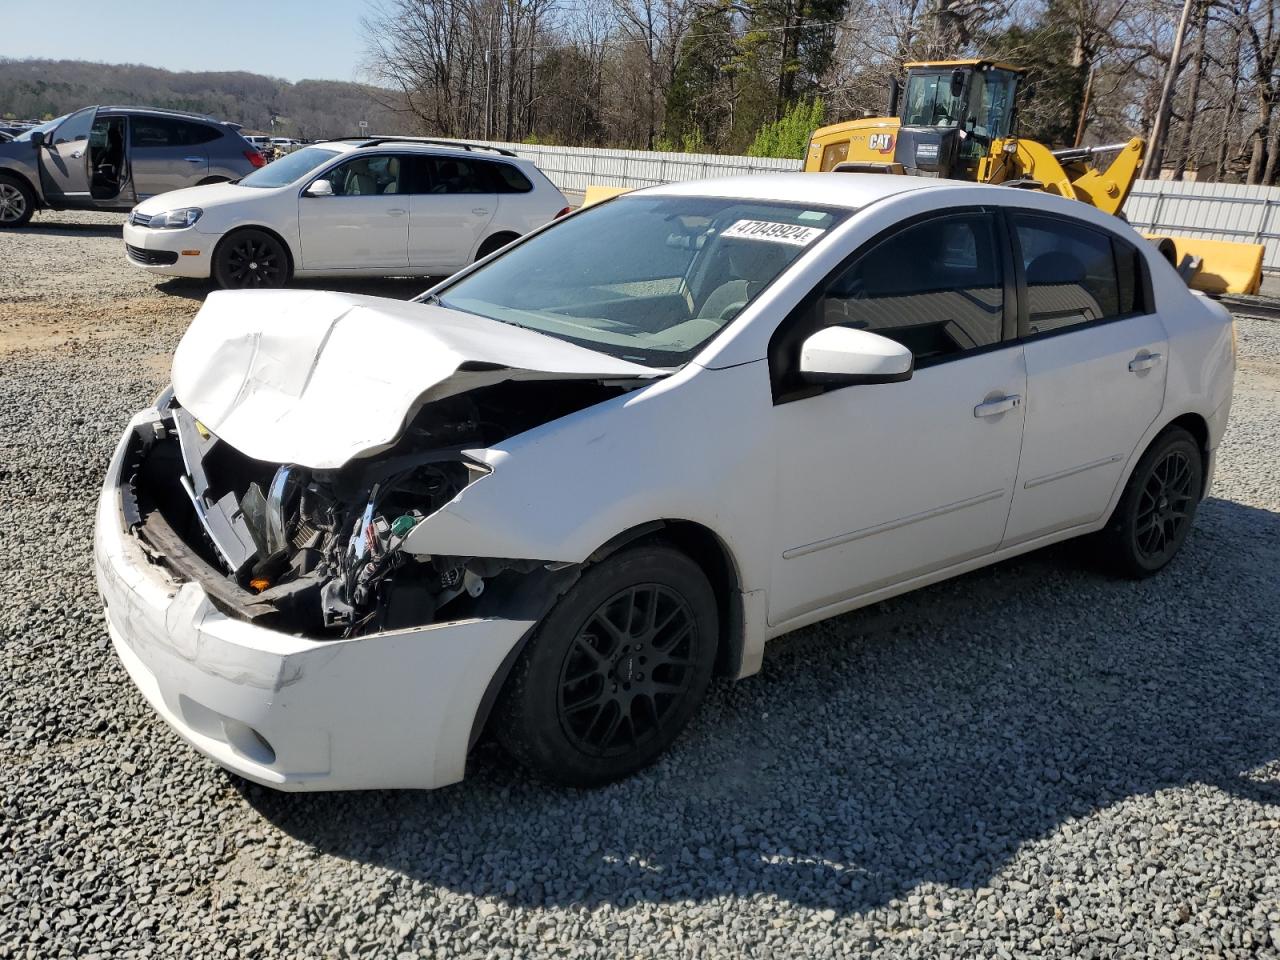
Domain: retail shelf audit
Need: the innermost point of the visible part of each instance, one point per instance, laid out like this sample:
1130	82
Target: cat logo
883	142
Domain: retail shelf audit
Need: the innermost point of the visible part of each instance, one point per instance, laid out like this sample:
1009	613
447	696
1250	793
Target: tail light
254	157
562	213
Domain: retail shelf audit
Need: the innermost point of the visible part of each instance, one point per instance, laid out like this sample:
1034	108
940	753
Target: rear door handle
397	212
479	211
1143	361
195	159
997	405
77	155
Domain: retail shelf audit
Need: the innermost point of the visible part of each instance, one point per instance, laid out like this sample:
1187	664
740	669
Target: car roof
423	145
163	112
851	190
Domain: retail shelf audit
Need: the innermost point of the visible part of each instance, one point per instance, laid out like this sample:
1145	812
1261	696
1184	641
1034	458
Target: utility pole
1160	130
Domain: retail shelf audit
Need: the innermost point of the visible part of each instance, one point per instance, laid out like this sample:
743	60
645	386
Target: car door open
883	482
64	159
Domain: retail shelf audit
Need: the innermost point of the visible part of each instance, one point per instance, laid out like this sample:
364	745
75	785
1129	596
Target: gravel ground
1030	760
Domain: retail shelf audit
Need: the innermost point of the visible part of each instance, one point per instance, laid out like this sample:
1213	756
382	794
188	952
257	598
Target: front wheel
17	202
250	259
614	672
1154	515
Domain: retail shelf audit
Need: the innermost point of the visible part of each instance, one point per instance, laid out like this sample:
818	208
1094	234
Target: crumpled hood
317	378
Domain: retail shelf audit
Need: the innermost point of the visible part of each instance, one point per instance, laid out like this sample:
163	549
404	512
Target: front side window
289	168
75	127
1070	272
936	287
647	279
365	176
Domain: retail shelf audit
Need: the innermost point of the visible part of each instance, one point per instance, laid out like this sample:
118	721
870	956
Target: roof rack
458	144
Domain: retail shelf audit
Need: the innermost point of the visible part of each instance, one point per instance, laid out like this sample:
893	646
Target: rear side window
935	287
508	178
446	175
169	132
1074	274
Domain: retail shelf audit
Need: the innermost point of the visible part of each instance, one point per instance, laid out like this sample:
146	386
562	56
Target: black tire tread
1116	545
525	736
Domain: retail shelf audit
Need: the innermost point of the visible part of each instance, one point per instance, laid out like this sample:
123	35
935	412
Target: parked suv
109	158
385	206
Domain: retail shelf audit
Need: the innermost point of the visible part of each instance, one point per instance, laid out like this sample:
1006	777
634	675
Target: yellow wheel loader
957	120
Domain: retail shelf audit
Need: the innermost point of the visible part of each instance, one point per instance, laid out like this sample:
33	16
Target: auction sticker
774	232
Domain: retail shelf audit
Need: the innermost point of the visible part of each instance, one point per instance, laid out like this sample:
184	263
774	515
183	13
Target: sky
294	39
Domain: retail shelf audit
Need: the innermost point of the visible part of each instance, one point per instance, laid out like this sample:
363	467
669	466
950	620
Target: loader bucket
1225	266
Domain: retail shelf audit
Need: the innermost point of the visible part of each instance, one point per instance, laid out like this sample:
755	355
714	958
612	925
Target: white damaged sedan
562	490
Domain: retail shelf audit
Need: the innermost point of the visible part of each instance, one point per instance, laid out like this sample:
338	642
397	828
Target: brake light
254	157
562	213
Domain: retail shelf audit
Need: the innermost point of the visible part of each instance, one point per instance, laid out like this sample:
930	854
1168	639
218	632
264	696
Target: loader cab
951	112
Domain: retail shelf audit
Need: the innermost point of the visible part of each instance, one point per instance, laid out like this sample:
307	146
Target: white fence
1215	211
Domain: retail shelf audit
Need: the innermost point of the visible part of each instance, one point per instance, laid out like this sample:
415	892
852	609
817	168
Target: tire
496	242
17	202
1155	513
599	693
250	260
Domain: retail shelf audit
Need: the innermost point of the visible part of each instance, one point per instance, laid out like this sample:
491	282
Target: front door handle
397	212
77	155
1143	361
479	211
195	159
997	405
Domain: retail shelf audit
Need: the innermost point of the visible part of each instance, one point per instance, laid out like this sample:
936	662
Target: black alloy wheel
1156	510
1164	508
251	259
615	671
627	670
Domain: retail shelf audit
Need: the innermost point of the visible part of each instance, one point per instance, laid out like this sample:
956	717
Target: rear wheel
17	202
1154	516
250	259
614	672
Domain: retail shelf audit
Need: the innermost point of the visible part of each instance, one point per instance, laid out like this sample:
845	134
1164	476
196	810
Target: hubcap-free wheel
614	671
1164	508
1157	508
251	260
627	669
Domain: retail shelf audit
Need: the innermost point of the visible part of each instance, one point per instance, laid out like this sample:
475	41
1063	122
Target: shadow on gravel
395	288
922	740
53	228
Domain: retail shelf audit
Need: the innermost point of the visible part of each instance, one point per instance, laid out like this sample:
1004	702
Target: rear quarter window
508	178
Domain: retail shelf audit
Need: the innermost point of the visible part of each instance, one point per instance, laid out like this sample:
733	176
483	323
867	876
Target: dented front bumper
384	710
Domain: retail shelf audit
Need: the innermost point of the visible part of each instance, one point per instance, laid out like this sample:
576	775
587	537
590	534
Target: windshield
287	169
46	127
646	279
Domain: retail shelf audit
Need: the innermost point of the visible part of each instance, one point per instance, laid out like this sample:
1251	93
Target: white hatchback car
573	482
354	208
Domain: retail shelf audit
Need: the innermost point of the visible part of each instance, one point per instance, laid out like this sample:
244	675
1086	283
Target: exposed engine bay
318	552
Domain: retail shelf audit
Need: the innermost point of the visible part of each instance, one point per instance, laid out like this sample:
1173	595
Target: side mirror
37	139
321	188
845	356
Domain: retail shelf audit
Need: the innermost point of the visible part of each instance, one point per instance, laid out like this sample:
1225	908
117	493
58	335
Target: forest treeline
739	76
711	75
312	109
